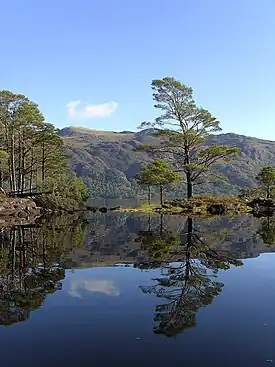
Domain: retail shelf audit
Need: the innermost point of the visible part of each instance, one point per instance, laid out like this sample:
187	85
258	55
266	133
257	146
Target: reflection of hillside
112	238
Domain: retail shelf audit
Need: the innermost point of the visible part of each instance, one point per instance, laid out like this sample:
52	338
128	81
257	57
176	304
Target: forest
32	156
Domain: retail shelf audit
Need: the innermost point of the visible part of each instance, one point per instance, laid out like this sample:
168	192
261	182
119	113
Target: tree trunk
7	142
161	194
44	252
13	252
23	159
149	223
19	159
268	192
31	172
189	231
43	162
189	182
189	185
23	175
149	194
12	159
161	225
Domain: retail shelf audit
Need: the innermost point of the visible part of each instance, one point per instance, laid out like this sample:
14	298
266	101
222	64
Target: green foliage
267	231
184	129
31	264
68	192
157	173
4	166
32	153
159	243
266	178
4	157
251	193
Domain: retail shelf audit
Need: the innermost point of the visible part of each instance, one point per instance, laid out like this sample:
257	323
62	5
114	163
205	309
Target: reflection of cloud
107	287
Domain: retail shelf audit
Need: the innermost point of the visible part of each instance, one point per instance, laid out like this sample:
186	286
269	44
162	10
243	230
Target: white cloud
77	286
90	111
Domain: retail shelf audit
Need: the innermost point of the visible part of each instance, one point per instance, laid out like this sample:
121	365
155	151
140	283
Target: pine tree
157	173
183	128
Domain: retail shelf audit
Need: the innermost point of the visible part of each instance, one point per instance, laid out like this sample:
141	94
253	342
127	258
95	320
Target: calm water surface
126	290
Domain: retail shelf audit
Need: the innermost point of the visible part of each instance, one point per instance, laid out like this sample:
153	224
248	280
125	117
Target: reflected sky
110	320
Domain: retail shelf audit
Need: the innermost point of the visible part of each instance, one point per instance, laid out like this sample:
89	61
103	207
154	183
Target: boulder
92	208
114	208
175	203
262	207
259	202
218	209
103	209
258	214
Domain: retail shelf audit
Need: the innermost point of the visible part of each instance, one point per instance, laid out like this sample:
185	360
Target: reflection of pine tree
267	231
160	243
31	260
186	285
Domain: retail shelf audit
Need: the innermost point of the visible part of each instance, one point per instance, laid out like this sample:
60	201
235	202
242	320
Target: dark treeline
32	154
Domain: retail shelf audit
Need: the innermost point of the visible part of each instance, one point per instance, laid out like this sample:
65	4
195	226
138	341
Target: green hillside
107	163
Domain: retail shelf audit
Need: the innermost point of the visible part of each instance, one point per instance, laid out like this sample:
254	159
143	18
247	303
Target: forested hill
107	163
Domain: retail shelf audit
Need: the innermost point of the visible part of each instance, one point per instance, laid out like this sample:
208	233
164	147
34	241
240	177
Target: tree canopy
157	173
31	151
266	179
183	128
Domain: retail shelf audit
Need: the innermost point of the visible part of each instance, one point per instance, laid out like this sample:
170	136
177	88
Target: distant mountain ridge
107	163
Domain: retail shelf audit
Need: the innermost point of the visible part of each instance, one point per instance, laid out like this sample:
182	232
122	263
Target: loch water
128	290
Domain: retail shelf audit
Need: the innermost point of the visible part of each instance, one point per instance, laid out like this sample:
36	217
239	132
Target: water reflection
188	253
80	286
267	230
31	260
188	284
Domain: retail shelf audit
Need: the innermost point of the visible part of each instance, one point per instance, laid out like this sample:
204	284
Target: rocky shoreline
19	211
15	211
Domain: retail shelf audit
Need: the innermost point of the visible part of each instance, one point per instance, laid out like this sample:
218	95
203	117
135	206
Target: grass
196	206
144	208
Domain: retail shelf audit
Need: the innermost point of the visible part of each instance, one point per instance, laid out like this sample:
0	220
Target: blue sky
91	62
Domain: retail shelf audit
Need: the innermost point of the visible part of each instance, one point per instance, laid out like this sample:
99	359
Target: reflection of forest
31	260
112	238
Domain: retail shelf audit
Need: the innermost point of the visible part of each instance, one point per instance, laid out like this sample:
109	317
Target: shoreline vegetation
198	205
201	206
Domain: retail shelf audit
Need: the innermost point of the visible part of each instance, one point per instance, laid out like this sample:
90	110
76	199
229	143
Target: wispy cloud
77	112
